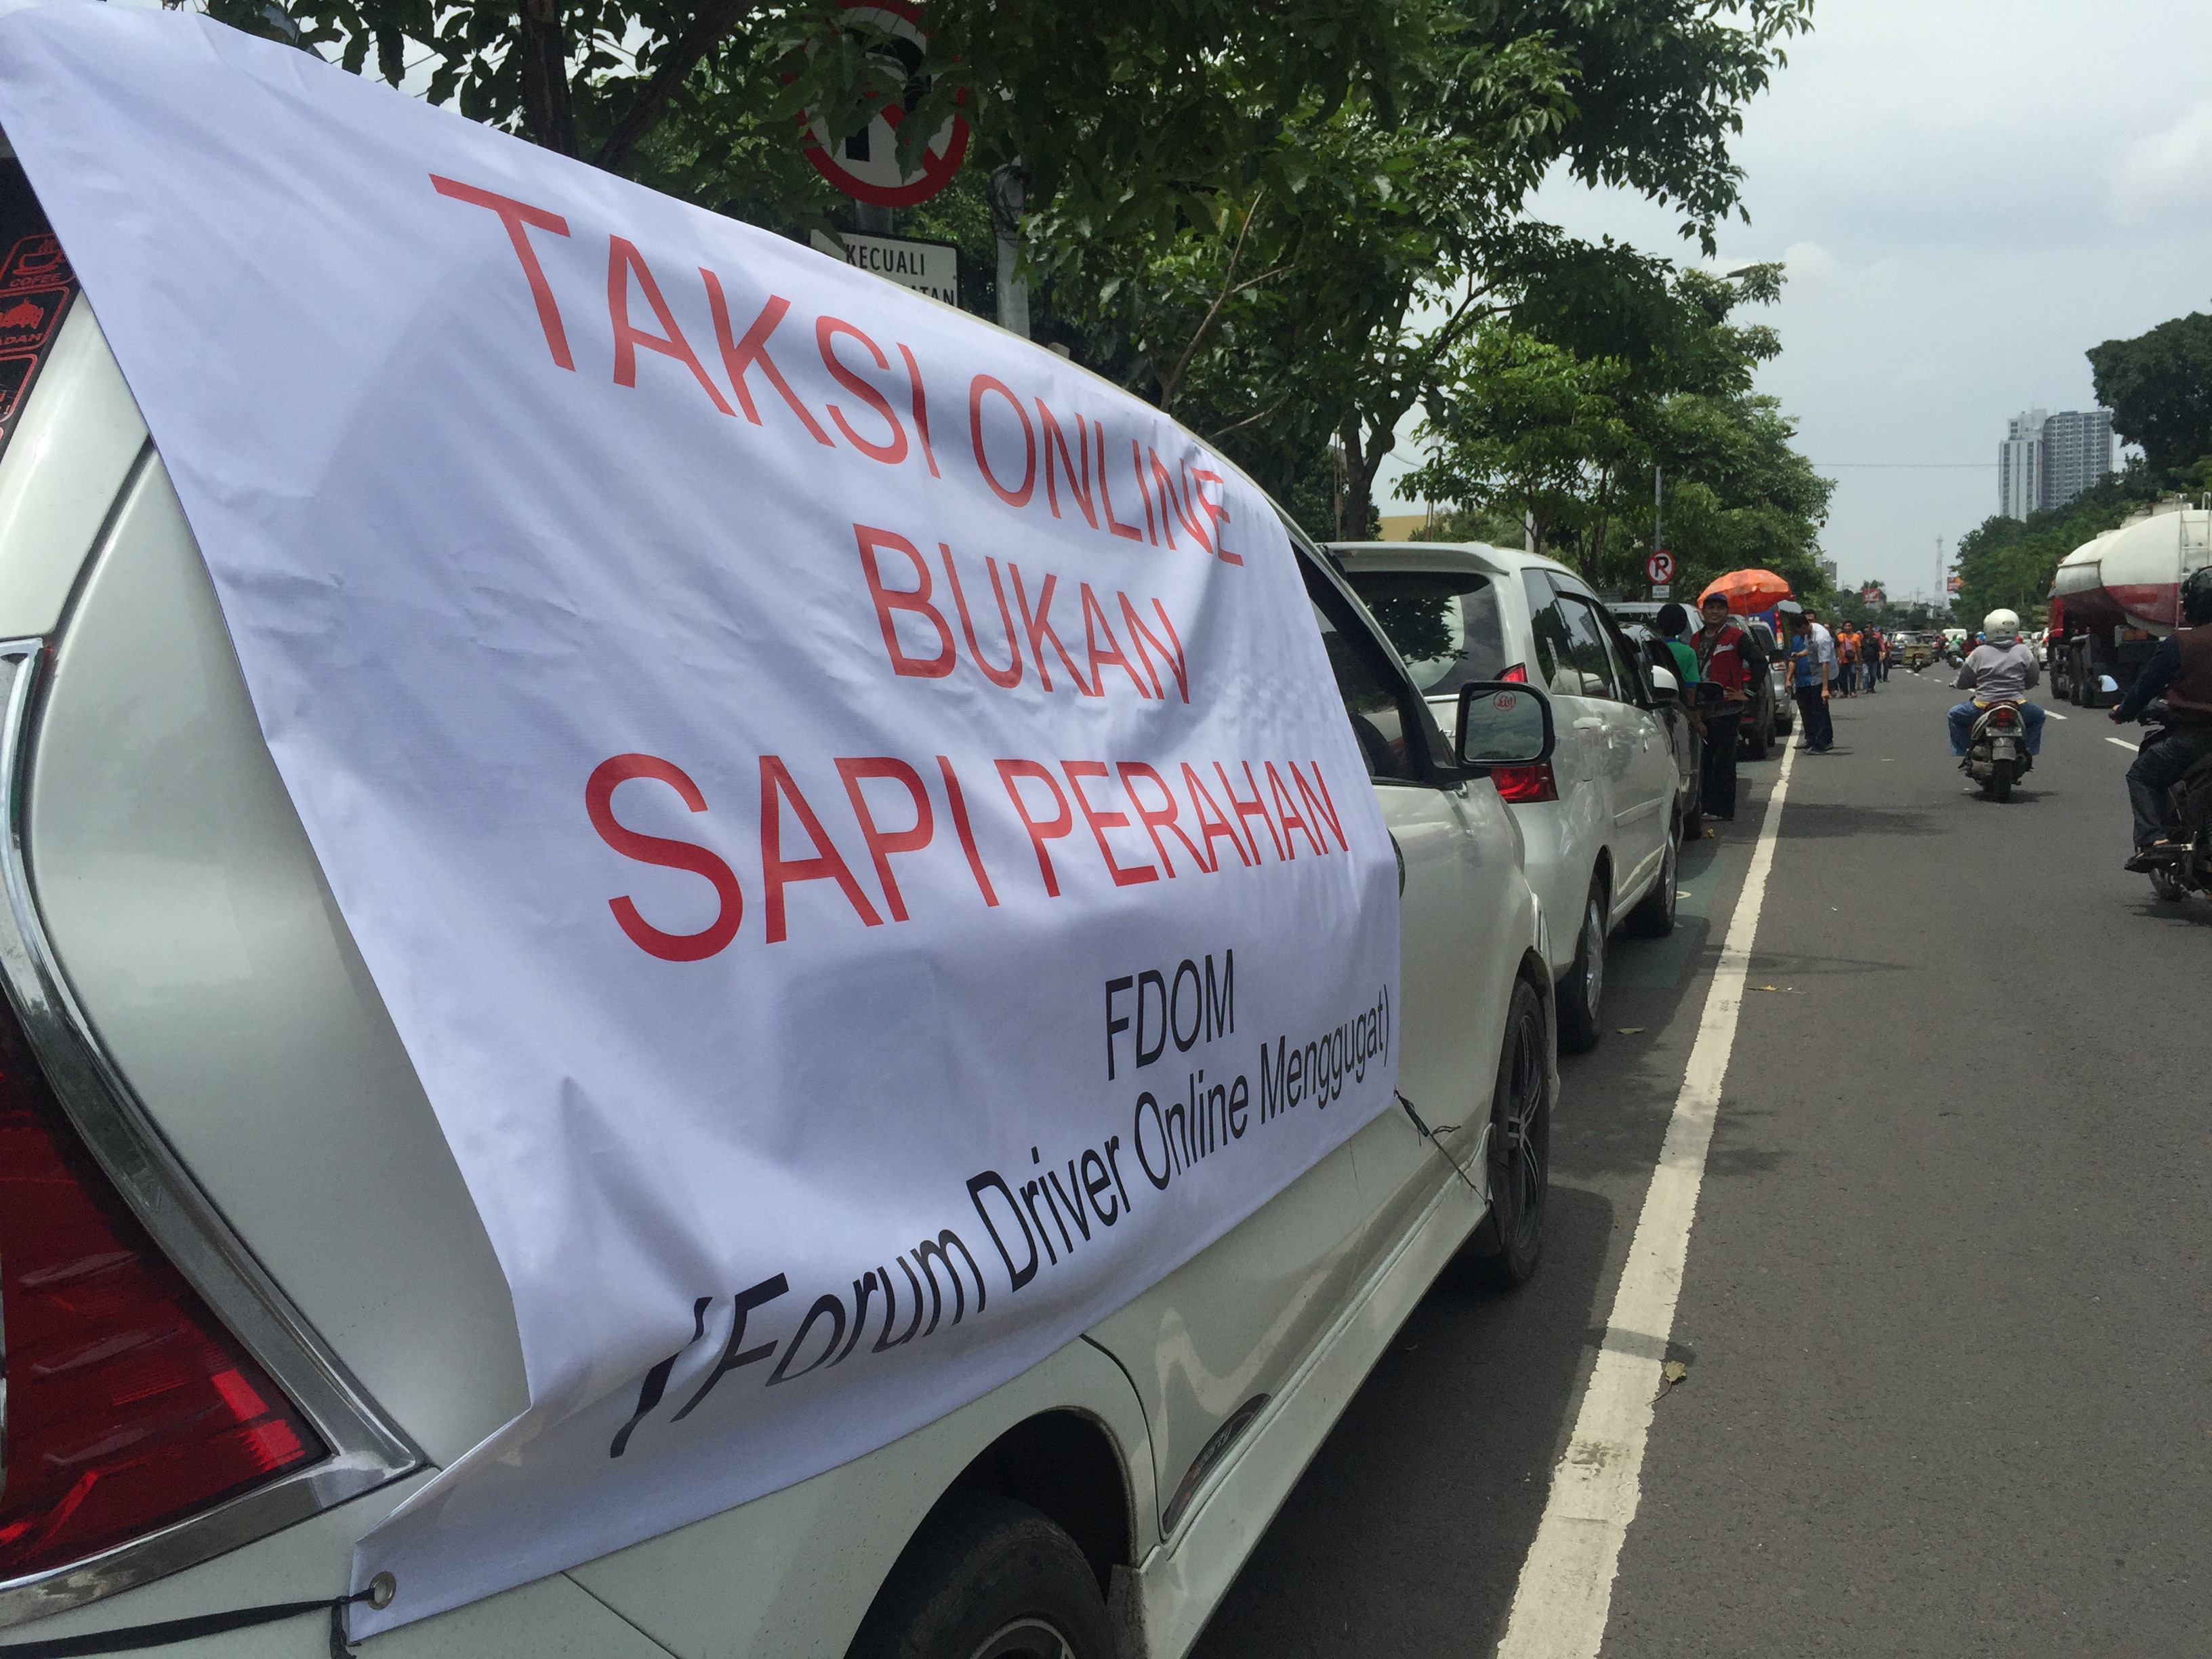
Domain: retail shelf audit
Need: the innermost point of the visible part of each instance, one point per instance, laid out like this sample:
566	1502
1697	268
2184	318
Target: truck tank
2112	599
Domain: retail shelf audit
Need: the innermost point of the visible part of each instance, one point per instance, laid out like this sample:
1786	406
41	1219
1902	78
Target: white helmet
2001	627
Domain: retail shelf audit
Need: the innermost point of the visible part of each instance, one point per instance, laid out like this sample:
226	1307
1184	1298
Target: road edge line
1564	1596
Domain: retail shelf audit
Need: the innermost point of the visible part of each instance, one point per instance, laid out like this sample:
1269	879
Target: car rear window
1444	625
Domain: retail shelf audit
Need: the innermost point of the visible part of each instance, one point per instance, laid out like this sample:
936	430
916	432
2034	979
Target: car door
1636	764
1459	858
1210	1344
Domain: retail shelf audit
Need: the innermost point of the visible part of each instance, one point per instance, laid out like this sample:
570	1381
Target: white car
1601	823
251	1307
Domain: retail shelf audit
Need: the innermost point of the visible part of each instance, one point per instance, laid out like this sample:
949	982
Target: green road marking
1658	964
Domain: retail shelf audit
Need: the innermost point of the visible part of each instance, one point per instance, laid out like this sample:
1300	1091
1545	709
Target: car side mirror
1503	724
1664	685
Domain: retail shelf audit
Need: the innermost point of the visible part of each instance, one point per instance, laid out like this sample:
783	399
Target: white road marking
1565	1592
2124	743
2052	713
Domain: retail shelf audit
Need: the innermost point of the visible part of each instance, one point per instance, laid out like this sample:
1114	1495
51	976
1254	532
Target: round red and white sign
866	165
1660	567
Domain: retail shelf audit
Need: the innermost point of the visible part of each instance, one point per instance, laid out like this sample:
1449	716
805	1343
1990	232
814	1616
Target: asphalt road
1945	1313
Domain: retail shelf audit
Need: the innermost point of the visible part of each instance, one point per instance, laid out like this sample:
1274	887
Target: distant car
1600	824
1684	729
1771	712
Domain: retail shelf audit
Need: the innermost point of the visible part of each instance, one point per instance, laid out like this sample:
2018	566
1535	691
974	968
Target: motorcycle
1996	752
2191	872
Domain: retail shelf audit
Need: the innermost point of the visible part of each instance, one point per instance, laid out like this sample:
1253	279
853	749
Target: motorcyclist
2001	668
2180	669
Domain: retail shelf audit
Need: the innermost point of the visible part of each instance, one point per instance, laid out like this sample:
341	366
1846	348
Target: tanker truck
2113	598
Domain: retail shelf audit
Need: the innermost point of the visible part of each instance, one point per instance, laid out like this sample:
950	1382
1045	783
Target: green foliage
1525	427
2158	388
2009	562
1533	419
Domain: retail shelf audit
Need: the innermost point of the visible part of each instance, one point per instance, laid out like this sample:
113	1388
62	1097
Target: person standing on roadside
1725	654
1809	669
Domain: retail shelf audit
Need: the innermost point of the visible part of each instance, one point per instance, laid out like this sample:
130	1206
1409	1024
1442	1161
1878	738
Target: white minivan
250	1307
1601	820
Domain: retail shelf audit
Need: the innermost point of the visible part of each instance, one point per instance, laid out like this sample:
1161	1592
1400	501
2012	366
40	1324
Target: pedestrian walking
1812	668
1725	653
1847	659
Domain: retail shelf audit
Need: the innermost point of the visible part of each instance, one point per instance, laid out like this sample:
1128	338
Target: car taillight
128	1406
1526	782
1518	674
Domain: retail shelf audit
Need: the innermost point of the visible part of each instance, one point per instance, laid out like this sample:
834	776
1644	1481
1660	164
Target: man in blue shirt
1812	665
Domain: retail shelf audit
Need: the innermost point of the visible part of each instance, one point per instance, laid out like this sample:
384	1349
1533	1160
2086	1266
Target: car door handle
1590	723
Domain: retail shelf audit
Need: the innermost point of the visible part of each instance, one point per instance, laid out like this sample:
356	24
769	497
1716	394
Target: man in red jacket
1726	658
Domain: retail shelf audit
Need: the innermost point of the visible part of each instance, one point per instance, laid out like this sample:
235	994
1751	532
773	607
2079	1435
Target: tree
1561	418
1387	234
2158	388
1526	430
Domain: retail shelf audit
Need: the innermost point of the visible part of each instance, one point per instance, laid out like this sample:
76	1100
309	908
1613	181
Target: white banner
837	799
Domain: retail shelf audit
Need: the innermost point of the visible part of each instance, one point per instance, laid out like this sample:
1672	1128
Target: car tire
988	1578
1761	736
1654	915
1582	989
1511	1241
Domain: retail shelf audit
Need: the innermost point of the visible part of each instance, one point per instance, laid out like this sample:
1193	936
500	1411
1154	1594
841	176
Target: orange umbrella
1747	591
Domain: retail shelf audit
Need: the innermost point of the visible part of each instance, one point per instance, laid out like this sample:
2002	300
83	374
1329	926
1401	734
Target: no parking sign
866	164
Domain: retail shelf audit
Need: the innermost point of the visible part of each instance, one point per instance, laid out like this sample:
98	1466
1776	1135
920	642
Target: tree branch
1249	420
1174	378
713	24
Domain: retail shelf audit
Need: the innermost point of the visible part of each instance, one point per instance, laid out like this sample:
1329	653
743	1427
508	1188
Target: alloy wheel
1594	971
1519	1149
1026	1639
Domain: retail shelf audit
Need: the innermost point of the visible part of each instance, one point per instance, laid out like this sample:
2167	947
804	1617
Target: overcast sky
1968	194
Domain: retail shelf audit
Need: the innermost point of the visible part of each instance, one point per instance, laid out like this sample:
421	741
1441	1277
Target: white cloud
2169	170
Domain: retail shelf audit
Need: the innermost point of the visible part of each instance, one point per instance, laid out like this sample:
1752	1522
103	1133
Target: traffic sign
1661	590
866	165
1660	567
931	268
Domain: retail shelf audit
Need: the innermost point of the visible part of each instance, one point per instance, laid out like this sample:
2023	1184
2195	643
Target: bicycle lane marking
1565	1592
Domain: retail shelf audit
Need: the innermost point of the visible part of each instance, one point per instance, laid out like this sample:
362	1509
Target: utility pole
1658	481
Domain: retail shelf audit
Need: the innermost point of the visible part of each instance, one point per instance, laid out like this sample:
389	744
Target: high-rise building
2019	465
2077	451
2046	460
